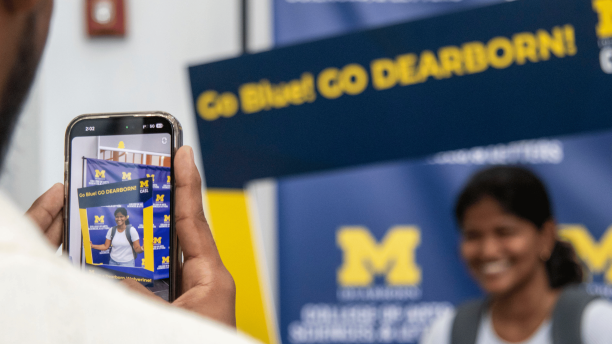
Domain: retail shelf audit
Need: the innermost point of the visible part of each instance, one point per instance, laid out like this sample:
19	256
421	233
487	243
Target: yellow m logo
127	175
604	12
166	260
152	176
596	256
100	174
157	240
363	257
99	219
144	183
166	218
168	179
159	198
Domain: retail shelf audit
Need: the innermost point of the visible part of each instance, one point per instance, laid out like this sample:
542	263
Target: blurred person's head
24	25
509	233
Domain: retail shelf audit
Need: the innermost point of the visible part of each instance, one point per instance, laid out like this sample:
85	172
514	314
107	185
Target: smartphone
119	205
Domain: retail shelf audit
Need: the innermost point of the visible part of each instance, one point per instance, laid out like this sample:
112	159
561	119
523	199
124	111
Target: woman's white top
122	251
596	328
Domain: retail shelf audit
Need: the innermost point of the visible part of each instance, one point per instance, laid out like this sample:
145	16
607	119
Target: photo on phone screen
120	194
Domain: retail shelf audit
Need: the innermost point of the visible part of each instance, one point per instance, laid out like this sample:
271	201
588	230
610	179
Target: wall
146	70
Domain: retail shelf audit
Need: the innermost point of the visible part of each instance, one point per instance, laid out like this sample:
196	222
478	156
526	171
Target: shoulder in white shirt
596	328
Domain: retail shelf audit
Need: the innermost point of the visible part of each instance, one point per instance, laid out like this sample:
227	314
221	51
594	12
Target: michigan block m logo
156	240
100	174
99	219
126	176
159	198
604	12
596	255
144	183
166	260
363	257
166	218
152	176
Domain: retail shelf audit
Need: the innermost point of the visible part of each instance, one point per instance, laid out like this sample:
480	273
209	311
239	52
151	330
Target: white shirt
43	299
122	250
596	328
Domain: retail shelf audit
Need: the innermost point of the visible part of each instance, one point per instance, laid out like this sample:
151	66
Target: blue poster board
370	255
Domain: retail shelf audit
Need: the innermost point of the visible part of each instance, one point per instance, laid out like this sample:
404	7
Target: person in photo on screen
122	253
510	246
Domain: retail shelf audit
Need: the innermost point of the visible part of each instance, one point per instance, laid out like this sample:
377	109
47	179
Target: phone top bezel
119	121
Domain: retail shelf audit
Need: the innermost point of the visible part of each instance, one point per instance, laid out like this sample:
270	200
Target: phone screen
120	196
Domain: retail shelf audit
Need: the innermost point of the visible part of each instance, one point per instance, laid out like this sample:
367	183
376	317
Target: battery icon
159	125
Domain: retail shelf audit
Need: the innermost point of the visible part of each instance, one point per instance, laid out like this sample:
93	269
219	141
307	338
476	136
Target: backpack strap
113	232
567	315
128	235
467	321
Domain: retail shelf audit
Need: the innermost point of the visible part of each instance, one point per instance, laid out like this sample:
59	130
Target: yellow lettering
156	240
451	60
152	176
428	66
570	40
354	79
308	90
604	13
525	47
250	98
144	183
327	83
127	175
166	218
363	257
475	57
166	260
550	43
210	105
406	70
159	198
497	45
596	256
383	73
100	174
99	219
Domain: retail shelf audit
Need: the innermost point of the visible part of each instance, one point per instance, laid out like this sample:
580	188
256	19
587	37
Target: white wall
146	70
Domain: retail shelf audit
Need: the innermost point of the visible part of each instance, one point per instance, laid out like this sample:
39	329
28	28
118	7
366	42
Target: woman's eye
468	236
504	231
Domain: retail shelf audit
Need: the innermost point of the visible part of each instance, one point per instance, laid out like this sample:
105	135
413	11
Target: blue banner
297	21
370	255
499	73
101	172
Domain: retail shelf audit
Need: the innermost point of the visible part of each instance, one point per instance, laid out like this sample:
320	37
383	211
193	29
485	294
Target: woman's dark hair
123	212
521	193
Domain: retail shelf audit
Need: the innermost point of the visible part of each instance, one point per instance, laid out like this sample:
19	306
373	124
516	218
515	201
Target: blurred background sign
499	73
505	72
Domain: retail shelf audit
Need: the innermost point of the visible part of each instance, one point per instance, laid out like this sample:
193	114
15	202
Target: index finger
191	226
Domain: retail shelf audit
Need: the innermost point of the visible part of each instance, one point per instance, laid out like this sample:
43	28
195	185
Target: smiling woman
123	240
510	246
